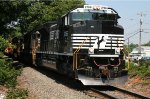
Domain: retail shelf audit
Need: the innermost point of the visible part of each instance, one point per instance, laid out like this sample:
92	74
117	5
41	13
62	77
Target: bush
1	55
8	78
141	70
145	63
3	43
8	74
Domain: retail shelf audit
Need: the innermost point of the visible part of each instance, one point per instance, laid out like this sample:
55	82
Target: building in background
145	53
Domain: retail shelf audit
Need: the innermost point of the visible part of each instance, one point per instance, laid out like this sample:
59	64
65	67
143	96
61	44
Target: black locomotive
86	43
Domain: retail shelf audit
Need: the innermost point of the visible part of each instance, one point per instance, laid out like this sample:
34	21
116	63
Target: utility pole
128	44
141	30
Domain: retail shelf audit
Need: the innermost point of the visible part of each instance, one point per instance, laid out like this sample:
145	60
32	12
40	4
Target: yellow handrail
128	55
75	53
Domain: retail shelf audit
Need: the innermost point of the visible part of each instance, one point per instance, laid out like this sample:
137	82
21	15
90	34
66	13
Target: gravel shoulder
42	87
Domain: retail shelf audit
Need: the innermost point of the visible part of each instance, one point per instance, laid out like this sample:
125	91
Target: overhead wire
131	35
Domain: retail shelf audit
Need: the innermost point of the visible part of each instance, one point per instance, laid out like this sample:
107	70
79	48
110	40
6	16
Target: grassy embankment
142	71
8	78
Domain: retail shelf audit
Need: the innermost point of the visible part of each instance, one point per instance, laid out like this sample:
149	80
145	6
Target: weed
17	94
142	71
145	82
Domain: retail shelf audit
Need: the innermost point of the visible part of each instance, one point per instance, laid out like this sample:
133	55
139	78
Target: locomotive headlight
91	50
117	51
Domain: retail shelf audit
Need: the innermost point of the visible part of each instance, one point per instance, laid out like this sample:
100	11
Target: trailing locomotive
86	43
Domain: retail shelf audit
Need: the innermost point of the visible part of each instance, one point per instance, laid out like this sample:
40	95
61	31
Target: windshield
81	16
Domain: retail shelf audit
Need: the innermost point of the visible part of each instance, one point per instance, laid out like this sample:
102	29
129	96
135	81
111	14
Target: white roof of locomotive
95	8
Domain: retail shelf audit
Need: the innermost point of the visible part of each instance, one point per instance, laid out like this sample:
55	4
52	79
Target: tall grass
143	70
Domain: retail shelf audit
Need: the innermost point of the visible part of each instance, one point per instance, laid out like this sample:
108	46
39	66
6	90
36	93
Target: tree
129	48
41	12
147	44
3	43
9	14
31	14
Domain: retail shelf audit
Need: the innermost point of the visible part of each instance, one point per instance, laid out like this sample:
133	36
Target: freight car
86	43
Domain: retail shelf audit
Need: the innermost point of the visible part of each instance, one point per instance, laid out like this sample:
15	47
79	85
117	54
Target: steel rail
130	93
102	93
120	90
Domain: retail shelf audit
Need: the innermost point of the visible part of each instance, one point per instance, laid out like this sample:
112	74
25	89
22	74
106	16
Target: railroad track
131	93
116	93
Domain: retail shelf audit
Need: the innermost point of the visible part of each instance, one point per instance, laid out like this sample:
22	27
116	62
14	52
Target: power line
132	33
131	36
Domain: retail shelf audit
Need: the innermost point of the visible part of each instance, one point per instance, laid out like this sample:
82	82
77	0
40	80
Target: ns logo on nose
100	41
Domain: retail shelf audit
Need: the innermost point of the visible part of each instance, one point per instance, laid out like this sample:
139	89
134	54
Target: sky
129	11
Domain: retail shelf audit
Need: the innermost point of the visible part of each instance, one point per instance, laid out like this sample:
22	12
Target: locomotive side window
54	35
51	35
66	36
51	40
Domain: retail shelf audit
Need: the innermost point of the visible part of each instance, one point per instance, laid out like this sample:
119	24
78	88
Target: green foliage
3	43
8	78
1	55
145	82
17	94
142	71
8	74
61	7
131	47
145	63
16	32
41	12
30	14
9	13
147	44
38	13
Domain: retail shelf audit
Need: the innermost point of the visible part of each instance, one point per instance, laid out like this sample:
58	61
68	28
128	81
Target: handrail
128	56
78	49
75	53
125	54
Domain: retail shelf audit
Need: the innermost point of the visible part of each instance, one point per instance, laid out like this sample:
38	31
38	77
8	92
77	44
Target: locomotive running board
86	80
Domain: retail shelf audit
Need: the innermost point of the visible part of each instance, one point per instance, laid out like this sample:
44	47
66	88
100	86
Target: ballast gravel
40	86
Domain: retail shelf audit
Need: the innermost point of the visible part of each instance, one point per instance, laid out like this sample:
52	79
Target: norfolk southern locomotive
86	43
